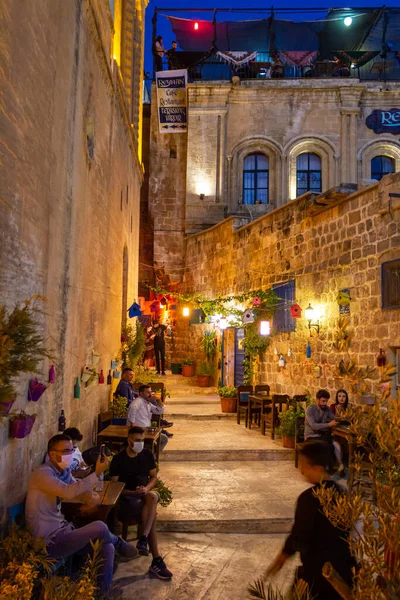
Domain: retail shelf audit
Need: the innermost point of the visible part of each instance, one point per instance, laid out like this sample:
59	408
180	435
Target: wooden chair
298	438
277	403
104	420
243	392
300	399
263	388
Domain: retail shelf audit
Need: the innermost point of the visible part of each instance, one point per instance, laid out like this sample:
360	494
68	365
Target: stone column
349	111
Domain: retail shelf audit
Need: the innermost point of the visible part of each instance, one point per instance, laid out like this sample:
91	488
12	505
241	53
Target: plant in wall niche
254	345
209	344
22	347
134	345
342	334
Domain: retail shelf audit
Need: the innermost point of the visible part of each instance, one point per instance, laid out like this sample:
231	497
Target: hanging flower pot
5	407
117	375
35	390
52	374
114	364
21	425
95	357
86	375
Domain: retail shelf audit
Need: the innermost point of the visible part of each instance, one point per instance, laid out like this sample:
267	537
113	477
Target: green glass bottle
77	389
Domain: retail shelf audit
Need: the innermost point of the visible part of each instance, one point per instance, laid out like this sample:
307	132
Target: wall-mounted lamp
163	302
265	328
202	196
310	315
186	311
223	323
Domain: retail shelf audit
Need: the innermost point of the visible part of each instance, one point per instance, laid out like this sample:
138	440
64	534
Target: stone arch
385	146
321	146
251	145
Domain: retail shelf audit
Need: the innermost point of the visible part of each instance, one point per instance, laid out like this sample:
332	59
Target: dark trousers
159	353
158	61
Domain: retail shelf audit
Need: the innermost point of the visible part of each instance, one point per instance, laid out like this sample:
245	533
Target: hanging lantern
276	351
248	316
134	310
256	301
163	302
186	311
264	328
289	352
295	311
343	298
281	362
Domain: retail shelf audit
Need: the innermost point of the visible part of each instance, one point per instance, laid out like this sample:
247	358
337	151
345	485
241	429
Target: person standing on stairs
159	346
136	468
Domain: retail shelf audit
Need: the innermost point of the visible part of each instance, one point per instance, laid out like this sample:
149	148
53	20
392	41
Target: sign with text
172	101
384	121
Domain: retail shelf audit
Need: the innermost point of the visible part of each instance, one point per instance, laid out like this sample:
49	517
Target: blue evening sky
164	28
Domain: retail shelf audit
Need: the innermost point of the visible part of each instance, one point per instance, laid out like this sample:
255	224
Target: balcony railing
213	68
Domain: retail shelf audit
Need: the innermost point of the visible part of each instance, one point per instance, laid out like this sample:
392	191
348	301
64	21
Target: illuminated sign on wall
384	121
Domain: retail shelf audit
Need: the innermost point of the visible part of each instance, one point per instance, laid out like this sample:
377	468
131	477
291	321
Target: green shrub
227	392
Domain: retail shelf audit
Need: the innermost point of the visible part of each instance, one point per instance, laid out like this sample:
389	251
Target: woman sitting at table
339	408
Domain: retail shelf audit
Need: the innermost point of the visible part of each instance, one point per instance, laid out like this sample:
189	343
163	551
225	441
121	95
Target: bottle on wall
308	350
77	389
381	358
109	377
101	376
61	421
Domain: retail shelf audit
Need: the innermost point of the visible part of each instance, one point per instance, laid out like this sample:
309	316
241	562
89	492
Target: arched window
255	179
308	173
381	165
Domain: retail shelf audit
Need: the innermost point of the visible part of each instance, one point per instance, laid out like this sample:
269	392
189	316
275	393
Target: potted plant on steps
204	374
188	367
228	397
287	426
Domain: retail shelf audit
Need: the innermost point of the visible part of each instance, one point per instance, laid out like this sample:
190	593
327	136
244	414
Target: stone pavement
234	493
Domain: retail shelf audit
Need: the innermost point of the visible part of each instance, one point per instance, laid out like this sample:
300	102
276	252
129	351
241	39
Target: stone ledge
254	526
227	455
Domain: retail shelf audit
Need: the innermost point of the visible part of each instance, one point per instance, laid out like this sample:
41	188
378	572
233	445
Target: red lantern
295	311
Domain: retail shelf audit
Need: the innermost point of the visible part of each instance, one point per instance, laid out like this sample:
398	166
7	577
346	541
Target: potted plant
176	368
204	374
35	390
188	367
287	427
21	425
228	397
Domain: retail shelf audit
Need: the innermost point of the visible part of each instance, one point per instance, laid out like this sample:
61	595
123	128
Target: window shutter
286	292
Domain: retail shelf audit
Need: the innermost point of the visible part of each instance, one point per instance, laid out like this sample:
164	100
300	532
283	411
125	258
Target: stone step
193	401
199	416
254	526
227	455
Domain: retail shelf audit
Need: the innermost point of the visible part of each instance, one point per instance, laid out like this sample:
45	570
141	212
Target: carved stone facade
278	118
70	175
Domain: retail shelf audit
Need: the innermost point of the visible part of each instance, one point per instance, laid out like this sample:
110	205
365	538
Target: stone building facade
70	189
317	251
197	180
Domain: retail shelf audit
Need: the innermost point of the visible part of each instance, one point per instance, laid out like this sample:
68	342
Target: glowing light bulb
348	21
186	311
264	328
196	25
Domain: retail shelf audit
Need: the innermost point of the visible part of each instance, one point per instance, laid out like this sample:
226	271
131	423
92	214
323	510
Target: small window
308	173
381	166
255	179
172	152
391	284
286	292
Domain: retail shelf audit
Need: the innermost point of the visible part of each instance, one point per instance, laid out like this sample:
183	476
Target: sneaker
159	569
166	424
142	546
126	550
167	433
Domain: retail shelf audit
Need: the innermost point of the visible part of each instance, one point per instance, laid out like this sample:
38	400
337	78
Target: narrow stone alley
234	493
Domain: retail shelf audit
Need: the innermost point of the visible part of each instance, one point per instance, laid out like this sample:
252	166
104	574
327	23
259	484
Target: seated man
136	467
142	408
76	437
124	387
319	420
48	485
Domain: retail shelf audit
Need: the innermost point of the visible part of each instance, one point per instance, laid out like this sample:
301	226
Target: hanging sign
384	121
172	101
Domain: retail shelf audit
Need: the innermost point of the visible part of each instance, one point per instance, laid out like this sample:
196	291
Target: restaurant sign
384	121
172	101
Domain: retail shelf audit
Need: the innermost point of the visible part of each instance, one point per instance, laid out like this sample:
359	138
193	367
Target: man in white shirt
141	409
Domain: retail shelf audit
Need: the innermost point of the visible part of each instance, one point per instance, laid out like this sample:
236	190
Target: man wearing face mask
141	411
48	485
136	467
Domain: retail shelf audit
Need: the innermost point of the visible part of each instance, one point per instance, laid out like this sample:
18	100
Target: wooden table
118	433
344	432
109	497
262	400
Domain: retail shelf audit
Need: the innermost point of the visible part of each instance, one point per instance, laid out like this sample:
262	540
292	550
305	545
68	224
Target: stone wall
69	216
342	247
